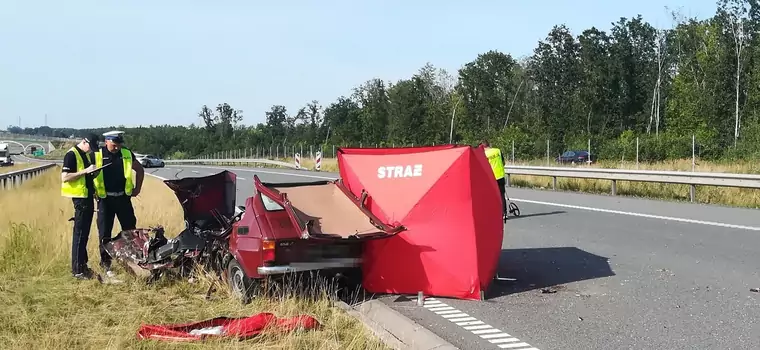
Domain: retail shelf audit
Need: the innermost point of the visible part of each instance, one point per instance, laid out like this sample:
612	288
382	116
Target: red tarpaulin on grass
447	198
240	328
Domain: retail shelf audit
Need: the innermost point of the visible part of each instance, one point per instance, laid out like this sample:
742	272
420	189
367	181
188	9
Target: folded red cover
241	327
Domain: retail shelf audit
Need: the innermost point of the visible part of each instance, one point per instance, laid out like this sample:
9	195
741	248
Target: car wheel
240	284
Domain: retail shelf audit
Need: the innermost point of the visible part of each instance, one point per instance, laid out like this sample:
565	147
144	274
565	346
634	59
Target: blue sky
91	63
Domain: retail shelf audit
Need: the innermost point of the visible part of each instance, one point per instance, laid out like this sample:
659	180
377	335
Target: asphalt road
596	272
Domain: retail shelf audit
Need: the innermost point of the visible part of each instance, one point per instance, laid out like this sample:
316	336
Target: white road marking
156	176
691	221
241	178
504	340
441	308
479	328
463	319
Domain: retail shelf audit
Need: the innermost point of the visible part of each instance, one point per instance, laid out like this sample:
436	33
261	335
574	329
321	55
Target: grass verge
44	308
740	197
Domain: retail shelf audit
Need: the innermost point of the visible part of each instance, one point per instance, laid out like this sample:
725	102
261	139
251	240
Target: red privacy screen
447	198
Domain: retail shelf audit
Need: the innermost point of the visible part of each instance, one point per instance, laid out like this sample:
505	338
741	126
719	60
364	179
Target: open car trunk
327	210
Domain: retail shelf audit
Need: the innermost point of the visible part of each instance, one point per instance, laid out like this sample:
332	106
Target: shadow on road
538	268
536	214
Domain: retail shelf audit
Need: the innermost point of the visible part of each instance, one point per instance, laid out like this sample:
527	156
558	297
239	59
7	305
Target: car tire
241	286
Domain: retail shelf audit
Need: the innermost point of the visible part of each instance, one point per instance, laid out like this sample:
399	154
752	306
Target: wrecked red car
297	227
282	228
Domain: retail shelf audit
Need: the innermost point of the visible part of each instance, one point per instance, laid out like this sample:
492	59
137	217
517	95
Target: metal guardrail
673	177
231	161
16	178
692	179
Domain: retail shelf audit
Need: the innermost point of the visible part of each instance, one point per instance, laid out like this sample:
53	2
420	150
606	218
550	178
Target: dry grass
44	308
15	167
328	164
704	194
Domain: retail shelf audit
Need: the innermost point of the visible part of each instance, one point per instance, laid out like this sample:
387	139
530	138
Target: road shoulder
394	329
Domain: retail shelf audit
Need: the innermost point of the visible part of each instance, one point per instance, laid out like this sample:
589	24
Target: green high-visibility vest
494	158
75	188
126	158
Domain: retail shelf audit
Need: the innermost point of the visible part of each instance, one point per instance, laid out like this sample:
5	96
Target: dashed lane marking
477	327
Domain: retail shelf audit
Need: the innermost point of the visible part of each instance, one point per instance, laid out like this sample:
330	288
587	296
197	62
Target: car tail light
267	250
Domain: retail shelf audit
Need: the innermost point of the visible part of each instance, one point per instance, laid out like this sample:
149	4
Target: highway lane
616	280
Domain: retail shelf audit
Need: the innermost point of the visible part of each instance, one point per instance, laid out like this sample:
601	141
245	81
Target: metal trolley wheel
513	209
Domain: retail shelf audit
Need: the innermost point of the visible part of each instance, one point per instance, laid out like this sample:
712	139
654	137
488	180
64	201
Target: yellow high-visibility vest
494	158
75	188
100	186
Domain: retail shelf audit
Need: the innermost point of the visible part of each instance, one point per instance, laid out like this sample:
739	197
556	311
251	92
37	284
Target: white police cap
114	136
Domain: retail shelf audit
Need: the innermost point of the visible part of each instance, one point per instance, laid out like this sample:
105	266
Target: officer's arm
139	171
69	172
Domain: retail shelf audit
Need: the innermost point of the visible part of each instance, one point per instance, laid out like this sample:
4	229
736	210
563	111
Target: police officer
496	159
115	188
77	184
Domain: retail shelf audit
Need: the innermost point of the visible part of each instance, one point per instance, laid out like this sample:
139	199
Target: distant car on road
5	155
574	157
149	160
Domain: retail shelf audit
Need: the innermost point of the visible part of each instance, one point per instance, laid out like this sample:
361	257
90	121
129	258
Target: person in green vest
77	183
114	188
496	159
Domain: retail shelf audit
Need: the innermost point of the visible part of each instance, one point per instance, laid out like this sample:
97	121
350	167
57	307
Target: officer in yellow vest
114	188
77	184
496	159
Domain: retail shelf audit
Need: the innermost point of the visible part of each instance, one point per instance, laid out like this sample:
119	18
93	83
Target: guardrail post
507	179
614	187
692	192
554	183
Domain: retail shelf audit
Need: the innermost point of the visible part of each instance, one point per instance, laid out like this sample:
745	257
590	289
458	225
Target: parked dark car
575	157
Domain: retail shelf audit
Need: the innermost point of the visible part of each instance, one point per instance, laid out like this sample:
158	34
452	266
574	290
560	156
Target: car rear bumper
309	266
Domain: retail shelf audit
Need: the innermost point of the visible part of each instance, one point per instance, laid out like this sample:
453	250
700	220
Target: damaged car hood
204	197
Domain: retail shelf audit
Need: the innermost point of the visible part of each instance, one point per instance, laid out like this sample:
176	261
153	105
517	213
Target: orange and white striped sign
319	161
298	160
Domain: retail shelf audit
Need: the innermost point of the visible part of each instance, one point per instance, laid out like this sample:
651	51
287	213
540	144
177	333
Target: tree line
611	87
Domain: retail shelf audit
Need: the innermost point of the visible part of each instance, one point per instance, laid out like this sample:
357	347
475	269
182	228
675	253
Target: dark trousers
502	183
83	213
121	207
